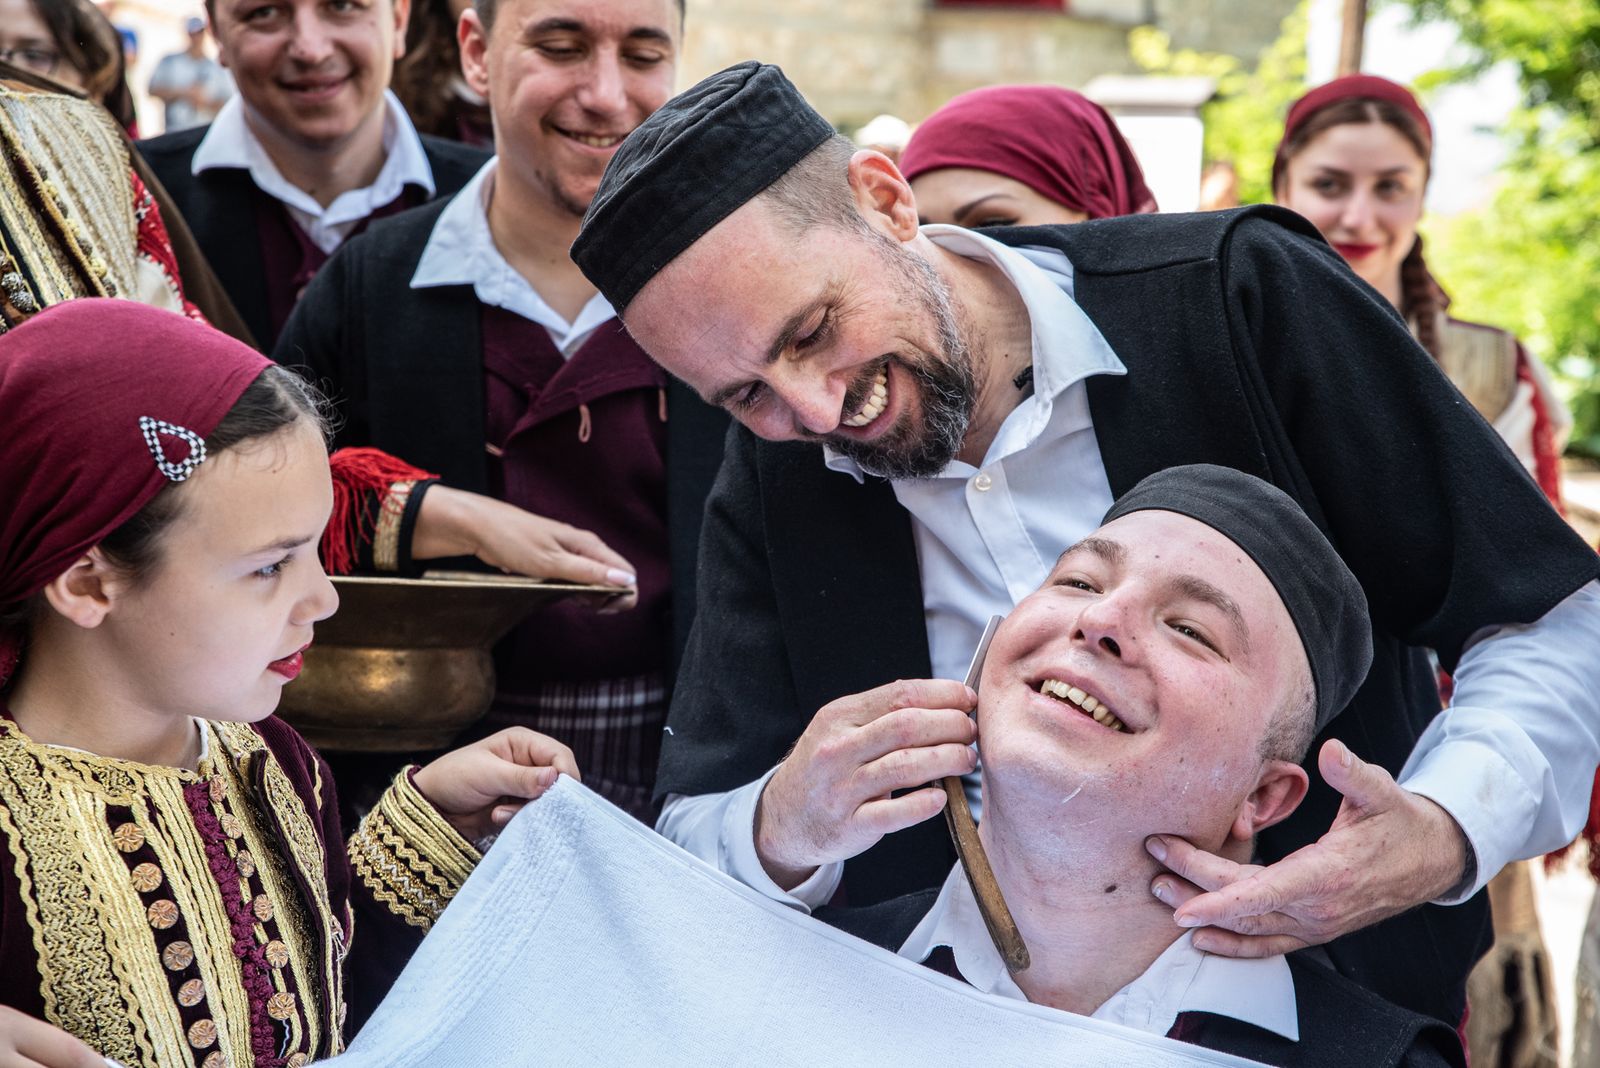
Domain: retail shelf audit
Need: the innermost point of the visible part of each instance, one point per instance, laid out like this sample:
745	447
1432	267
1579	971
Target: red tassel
1590	836
1546	461
358	475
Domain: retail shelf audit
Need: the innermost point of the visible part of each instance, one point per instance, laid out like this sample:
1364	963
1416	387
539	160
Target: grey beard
943	380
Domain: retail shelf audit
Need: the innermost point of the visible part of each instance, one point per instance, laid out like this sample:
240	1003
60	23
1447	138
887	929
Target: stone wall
859	58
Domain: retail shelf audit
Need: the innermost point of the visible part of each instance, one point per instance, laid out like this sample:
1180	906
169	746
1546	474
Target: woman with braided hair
1355	160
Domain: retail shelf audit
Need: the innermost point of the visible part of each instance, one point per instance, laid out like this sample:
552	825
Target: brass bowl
404	664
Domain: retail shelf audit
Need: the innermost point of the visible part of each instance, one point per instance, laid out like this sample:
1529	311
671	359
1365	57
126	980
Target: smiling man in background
462	338
311	148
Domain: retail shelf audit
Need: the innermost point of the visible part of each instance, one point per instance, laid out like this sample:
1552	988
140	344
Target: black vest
405	367
1342	1025
219	207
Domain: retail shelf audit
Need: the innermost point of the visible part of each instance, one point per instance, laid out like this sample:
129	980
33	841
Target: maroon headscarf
1349	87
104	403
1058	143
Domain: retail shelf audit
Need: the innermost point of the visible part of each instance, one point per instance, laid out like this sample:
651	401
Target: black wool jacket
405	367
218	206
1248	343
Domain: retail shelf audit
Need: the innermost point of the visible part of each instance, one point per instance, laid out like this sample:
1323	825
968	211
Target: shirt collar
1067	346
230	143
461	252
1182	979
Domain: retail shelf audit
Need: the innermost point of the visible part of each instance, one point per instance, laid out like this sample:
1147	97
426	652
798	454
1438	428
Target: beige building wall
859	58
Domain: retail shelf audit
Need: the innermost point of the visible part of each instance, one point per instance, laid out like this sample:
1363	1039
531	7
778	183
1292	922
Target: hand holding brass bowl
404	664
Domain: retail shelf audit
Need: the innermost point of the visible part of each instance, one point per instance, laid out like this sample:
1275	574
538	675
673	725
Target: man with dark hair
462	337
941	408
312	148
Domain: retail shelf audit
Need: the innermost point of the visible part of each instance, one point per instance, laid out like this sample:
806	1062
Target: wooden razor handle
985	888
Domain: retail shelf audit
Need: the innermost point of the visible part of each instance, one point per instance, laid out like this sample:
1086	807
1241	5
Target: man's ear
85	592
402	18
223	52
472	37
1279	790
883	195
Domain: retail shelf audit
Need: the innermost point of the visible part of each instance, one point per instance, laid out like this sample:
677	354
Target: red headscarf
1349	87
105	403
1057	142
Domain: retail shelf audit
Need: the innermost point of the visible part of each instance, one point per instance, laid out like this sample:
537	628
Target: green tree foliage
1529	260
1243	121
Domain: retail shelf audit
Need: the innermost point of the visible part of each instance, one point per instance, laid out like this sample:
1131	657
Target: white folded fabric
583	938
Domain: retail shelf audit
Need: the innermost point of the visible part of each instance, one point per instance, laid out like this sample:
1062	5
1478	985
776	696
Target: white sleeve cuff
739	859
1487	798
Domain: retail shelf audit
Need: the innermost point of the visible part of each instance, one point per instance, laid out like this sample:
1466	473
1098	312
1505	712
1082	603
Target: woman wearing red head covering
1355	160
174	884
1022	155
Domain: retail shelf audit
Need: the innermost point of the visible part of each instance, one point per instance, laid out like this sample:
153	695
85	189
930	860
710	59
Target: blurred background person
1355	159
1219	186
1022	155
885	133
71	42
428	80
191	84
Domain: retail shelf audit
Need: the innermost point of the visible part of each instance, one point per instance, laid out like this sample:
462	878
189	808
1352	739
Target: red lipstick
289	667
1353	251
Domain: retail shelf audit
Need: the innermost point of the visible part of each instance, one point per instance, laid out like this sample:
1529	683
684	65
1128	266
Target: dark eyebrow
649	33
1342	173
283	545
1112	552
559	24
784	338
971	204
1196	588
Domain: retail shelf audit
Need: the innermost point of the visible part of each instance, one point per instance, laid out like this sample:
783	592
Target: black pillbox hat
702	155
1324	599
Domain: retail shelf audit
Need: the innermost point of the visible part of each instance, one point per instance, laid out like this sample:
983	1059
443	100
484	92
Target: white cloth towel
585	939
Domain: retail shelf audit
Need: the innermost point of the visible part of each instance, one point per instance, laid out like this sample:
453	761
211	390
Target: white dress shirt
461	251
231	143
1512	759
1182	979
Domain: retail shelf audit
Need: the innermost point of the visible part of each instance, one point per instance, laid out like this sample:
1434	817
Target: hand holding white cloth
583	938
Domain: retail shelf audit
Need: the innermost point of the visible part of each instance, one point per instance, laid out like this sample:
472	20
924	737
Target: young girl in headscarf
1022	155
175	888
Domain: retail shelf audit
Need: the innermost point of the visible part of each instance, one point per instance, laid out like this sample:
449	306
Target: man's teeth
876	401
594	142
1076	697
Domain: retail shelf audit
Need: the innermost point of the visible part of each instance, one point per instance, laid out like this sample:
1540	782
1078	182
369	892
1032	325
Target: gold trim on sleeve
408	856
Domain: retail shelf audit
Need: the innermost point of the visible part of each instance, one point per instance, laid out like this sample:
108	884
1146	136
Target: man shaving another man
1168	677
981	400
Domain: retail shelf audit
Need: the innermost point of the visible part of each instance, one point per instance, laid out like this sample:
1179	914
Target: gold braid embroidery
80	993
102	977
408	856
386	538
77	165
130	944
307	855
196	892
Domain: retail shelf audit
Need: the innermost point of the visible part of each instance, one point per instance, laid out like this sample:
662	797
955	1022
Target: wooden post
1350	40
